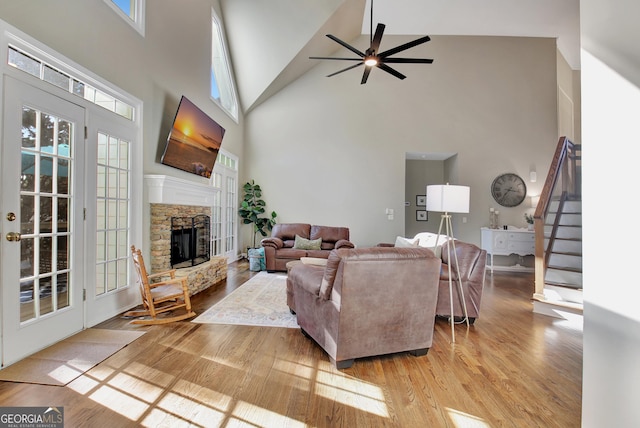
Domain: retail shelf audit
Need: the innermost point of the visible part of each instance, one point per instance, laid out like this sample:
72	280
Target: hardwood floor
513	368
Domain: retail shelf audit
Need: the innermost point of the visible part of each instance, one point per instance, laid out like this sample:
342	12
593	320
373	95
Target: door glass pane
44	213
112	213
63	294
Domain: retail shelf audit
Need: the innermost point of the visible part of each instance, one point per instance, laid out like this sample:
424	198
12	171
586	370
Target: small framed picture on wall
421	200
421	215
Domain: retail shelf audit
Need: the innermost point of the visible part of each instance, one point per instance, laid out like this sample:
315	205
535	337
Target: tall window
222	88
131	10
113	204
225	207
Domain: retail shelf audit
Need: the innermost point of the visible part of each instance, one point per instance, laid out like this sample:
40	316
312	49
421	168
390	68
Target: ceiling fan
372	58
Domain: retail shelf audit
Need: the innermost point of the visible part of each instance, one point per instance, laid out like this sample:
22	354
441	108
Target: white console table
500	242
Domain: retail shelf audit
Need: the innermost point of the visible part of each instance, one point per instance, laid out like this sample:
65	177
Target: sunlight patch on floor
63	373
248	414
136	387
174	408
119	402
465	420
351	392
83	384
571	320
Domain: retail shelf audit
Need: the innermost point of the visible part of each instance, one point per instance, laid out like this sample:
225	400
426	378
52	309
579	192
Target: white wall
610	134
331	151
172	59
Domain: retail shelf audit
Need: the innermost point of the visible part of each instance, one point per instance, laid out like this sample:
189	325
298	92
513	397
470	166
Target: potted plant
529	219
252	208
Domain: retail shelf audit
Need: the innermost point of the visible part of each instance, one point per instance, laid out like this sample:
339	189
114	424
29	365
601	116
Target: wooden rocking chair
161	296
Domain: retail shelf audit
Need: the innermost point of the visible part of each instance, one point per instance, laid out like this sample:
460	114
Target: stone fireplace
179	199
161	228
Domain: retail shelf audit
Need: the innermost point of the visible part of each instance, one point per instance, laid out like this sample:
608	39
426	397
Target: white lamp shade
448	198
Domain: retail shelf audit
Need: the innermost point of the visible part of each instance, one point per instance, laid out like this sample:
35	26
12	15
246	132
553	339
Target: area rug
261	301
61	363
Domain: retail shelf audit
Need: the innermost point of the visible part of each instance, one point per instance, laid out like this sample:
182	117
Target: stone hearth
171	197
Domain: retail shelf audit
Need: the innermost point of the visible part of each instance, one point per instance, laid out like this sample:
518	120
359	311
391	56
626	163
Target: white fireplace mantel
163	189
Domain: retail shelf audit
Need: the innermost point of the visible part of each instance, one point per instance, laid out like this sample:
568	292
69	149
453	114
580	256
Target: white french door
42	220
224	225
112	186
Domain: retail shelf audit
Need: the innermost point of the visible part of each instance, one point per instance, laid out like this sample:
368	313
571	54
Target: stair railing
562	184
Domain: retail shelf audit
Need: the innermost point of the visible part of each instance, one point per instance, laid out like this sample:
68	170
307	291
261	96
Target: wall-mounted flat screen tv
194	140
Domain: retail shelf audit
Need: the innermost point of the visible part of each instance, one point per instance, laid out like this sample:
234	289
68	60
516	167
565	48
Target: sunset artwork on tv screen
194	140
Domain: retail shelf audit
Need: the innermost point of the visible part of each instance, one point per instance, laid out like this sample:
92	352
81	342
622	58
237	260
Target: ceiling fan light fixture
371	61
372	57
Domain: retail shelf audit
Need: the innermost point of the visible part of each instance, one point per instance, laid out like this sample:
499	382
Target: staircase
558	225
563	275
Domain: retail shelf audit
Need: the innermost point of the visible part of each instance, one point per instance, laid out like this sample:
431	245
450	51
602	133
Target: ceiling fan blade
345	69
375	42
346	45
331	57
365	75
391	71
407	60
406	46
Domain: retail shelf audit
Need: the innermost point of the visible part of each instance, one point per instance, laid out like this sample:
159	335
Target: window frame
217	32
138	20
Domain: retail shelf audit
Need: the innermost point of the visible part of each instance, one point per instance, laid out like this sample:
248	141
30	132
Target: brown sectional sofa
279	247
368	301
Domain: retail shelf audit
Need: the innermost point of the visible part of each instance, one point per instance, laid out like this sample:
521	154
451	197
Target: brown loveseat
472	262
279	249
368	301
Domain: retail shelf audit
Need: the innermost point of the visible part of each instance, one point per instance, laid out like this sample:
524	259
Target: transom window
223	91
48	73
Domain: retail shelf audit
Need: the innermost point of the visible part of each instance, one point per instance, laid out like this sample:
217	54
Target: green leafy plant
528	218
252	208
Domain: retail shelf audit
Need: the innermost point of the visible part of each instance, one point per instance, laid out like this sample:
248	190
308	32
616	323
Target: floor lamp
450	199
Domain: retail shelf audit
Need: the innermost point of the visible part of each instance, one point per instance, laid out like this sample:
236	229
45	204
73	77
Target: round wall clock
509	190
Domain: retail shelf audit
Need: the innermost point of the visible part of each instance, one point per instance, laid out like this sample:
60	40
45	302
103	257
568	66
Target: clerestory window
132	11
223	90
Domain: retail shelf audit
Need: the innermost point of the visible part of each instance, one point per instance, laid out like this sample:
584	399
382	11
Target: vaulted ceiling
270	42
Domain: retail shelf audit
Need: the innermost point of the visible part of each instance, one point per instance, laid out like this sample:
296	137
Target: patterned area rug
261	301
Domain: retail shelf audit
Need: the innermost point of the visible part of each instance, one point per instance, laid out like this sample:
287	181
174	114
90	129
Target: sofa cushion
329	234
291	253
288	231
307	244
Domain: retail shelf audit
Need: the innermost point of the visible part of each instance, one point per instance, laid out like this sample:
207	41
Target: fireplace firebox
190	241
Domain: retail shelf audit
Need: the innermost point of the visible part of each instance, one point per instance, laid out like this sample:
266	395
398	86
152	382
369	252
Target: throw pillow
307	244
402	242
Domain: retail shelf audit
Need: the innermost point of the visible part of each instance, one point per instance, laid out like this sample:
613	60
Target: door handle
13	236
